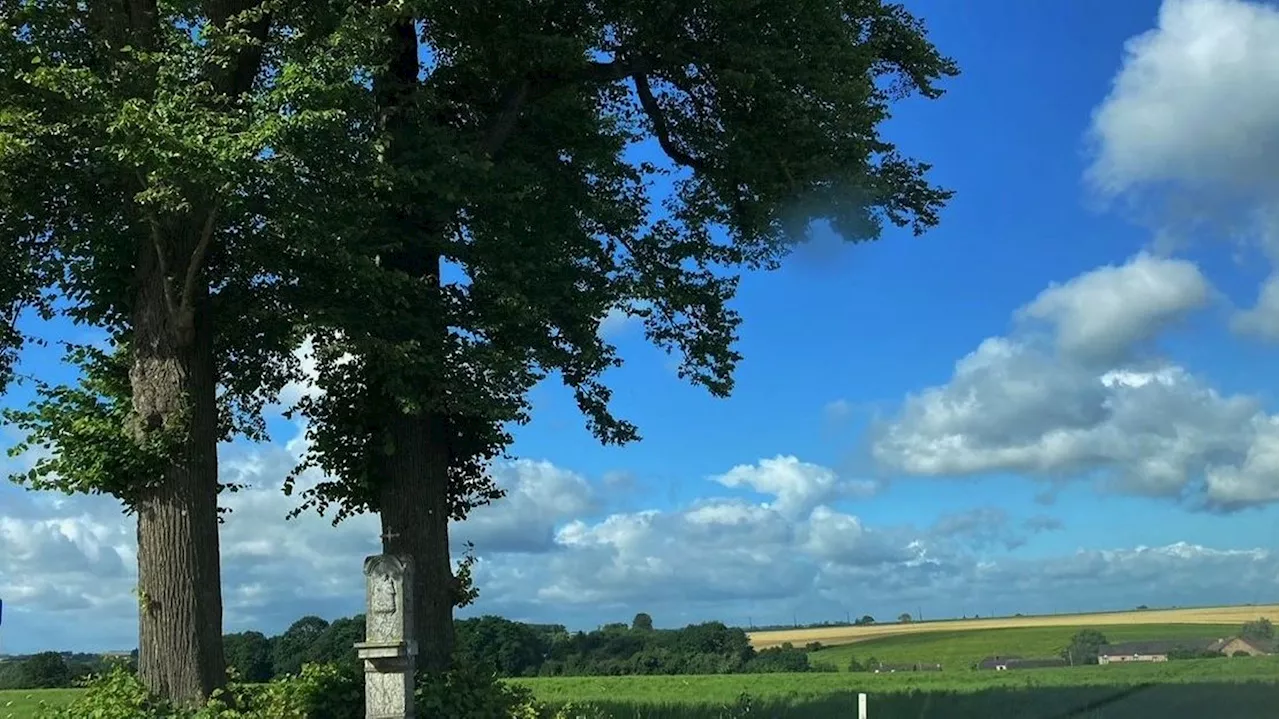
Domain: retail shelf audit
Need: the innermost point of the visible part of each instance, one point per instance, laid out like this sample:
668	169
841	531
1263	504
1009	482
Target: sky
1061	399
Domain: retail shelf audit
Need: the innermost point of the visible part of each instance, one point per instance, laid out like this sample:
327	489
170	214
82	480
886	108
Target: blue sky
1061	399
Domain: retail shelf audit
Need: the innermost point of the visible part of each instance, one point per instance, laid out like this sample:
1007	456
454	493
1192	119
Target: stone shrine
389	650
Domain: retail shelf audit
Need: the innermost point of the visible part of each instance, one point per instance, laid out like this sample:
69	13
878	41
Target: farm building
1232	646
1159	650
1150	651
1001	664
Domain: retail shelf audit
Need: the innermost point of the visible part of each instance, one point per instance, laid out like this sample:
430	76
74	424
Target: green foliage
470	692
83	434
292	649
1084	647
249	654
784	658
318	692
905	618
642	623
1260	628
519	184
141	151
46	670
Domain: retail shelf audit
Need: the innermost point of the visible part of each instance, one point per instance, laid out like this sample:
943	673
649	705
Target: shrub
319	691
471	692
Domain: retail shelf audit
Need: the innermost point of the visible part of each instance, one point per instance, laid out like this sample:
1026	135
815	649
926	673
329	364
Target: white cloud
1014	405
1190	131
67	566
1100	315
797	486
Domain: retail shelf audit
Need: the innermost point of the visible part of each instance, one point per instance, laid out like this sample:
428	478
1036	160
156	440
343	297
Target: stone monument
389	650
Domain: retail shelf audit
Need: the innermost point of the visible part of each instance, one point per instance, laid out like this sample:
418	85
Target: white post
862	706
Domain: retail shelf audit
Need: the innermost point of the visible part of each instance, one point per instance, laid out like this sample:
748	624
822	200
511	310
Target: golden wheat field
848	635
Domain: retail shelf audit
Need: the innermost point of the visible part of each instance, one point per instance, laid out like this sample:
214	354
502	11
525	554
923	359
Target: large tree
141	193
510	209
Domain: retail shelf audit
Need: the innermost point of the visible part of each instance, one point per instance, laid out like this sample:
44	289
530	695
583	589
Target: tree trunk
173	379
414	503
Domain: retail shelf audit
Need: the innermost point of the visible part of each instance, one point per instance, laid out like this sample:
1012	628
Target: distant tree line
52	670
516	649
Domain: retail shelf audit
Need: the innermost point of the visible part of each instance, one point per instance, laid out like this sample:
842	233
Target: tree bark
173	379
414	507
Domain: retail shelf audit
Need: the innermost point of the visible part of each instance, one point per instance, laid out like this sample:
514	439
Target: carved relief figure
384	596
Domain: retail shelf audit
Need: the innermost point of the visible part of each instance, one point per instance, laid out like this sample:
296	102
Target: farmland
850	634
960	650
1237	688
1226	689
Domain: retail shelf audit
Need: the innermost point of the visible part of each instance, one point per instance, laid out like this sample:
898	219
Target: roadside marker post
862	706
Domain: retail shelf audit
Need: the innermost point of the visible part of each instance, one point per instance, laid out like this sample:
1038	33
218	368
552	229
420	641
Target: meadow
849	634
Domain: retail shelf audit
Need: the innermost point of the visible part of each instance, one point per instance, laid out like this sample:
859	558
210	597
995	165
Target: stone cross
389	650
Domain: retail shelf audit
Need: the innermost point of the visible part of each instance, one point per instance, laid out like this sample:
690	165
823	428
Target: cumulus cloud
67	564
797	486
1052	409
1189	132
1099	316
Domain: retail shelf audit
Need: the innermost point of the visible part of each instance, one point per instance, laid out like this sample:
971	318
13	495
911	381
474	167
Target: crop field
1237	688
851	634
1223	688
960	650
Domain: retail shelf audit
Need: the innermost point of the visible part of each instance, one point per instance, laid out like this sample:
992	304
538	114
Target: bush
319	691
470	692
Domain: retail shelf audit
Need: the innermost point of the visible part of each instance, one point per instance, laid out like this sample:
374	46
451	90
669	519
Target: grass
1227	688
960	650
851	634
22	703
1223	688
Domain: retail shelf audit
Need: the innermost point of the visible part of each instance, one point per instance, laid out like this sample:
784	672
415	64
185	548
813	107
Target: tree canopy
509	200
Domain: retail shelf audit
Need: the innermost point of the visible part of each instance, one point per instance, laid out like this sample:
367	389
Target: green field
960	650
1234	688
22	703
1222	688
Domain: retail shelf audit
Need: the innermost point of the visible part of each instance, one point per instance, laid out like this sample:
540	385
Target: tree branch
197	261
660	127
512	104
534	86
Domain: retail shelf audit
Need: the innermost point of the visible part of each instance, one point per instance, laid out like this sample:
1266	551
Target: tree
250	654
864	620
1084	647
141	193
502	219
905	618
642	623
46	670
1260	628
291	649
